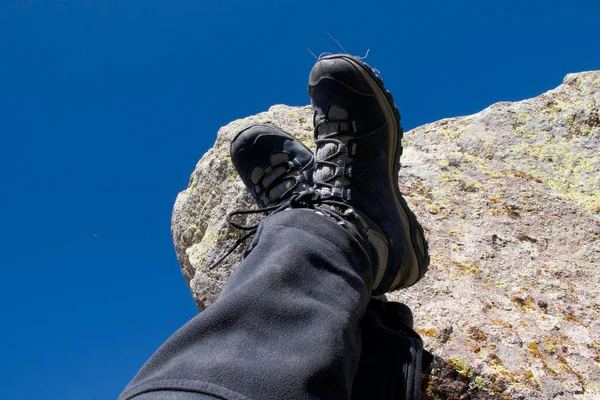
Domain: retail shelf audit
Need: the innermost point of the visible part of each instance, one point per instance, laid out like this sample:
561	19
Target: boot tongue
334	113
325	172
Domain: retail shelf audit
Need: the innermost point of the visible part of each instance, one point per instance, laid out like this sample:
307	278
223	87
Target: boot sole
413	232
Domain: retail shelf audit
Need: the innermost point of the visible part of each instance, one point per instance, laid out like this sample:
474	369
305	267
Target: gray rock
510	202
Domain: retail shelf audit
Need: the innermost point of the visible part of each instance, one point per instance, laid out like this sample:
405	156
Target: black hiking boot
272	164
358	137
275	168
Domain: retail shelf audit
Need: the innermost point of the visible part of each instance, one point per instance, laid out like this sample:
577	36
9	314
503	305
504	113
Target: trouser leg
285	325
391	361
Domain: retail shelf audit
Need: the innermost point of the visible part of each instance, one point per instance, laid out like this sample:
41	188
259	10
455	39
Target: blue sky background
106	106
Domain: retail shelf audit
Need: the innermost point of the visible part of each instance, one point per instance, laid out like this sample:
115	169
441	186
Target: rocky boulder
510	202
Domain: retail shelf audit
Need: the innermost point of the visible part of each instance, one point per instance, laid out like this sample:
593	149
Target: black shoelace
290	179
304	199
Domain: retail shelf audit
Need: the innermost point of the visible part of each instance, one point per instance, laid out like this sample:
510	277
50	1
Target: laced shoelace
284	180
287	179
309	199
333	172
329	174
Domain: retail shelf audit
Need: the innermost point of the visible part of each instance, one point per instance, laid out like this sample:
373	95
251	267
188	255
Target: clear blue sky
106	106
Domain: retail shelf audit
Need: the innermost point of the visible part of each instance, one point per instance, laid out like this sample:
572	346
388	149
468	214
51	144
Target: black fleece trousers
294	321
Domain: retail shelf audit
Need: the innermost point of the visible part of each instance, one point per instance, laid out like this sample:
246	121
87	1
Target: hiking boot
272	164
276	169
358	137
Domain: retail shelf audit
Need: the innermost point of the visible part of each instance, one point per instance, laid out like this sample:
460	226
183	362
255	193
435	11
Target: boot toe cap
343	69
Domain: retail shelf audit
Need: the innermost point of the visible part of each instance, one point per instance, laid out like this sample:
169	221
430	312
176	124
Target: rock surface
510	202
